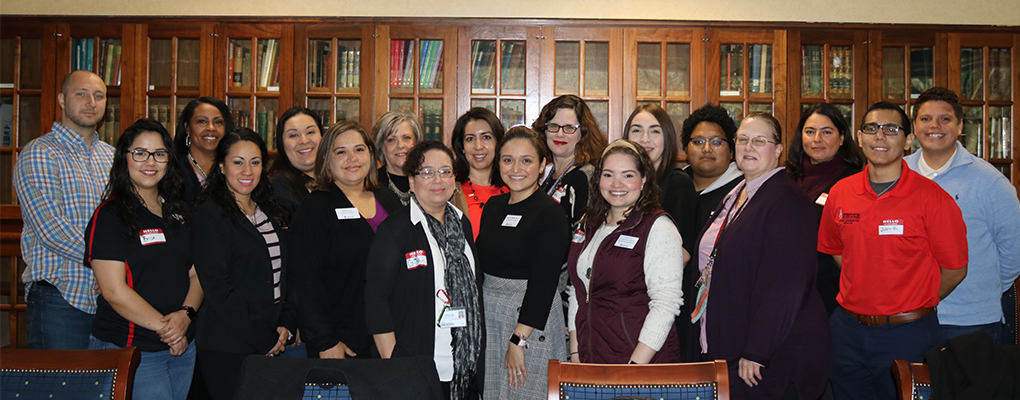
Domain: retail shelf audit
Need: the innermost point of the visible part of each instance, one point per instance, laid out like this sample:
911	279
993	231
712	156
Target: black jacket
680	200
972	367
233	265
192	187
326	264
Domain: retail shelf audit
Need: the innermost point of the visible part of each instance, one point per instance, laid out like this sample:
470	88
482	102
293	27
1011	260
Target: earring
187	141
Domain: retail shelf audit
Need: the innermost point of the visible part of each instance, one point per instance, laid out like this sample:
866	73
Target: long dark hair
460	164
324	174
592	140
282	164
181	134
598	208
669	146
121	191
848	149
216	189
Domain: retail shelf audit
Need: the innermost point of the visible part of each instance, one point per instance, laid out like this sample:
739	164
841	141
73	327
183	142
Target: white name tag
558	194
626	241
821	199
891	227
151	236
511	220
347	213
453	318
416	259
578	237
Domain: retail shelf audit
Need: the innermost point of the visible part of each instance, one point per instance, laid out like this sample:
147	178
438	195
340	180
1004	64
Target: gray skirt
503	298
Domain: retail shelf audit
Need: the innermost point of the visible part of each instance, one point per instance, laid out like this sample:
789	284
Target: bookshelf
419	68
746	71
831	66
659	69
109	51
255	64
903	64
328	72
498	69
587	62
179	60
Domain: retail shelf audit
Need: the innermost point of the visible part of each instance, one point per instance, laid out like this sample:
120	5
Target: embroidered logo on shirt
848	218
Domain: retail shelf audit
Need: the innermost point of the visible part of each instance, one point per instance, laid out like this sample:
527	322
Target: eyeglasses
430	173
568	129
887	129
759	141
714	142
140	155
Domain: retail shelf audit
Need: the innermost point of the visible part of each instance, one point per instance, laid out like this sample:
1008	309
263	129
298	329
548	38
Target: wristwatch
192	313
519	340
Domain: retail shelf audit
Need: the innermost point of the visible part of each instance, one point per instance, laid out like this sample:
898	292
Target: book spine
246	77
422	65
116	64
356	63
408	66
262	124
394	58
766	68
274	62
237	66
437	68
7	121
755	68
104	62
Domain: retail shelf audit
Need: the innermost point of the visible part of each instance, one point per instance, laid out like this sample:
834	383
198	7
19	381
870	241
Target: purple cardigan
763	304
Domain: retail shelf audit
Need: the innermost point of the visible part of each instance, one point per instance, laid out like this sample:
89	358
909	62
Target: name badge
626	241
416	259
453	318
347	213
821	199
151	236
578	237
891	227
558	194
511	220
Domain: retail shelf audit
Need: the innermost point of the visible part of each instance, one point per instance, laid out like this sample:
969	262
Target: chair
575	381
78	374
912	380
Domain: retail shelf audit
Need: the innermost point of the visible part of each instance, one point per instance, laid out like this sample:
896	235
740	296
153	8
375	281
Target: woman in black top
140	252
823	153
330	235
297	138
202	124
520	284
395	134
573	136
239	251
651	127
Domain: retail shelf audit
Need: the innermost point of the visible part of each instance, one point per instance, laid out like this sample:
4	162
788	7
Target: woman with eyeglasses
823	154
140	252
756	304
423	290
475	137
625	265
575	141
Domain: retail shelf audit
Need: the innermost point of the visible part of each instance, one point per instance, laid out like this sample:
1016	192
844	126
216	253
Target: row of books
432	123
430	63
109	130
109	61
761	68
840	70
483	67
971	73
6	121
162	114
320	65
999	73
267	59
1000	135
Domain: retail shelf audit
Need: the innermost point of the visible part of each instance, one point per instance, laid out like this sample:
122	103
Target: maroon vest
609	321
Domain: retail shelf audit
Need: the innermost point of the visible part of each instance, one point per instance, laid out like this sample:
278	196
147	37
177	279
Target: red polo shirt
892	246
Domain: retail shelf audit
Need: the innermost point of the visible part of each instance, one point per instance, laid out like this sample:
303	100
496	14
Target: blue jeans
994	330
862	355
159	376
53	323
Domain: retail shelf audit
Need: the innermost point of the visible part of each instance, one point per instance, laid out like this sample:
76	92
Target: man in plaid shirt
60	178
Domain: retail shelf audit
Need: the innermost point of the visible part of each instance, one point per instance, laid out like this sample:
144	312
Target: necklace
474	194
888	188
404	197
200	170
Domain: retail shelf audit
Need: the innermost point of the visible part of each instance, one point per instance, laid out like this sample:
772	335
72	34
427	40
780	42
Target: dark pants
53	323
862	355
994	330
220	372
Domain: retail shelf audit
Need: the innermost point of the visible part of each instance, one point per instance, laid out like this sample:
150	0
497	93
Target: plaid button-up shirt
60	181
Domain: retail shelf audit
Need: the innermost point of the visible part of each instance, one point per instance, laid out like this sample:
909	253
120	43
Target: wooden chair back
79	374
912	380
576	381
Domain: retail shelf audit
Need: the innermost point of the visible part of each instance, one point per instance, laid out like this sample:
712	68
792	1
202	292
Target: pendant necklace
200	170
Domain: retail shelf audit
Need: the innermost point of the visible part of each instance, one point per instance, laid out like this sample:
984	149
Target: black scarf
463	292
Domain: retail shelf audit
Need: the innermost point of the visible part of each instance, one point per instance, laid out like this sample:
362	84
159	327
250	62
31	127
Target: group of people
378	244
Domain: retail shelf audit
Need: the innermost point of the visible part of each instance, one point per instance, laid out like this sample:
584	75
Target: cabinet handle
375	36
867	42
706	40
58	34
540	37
214	34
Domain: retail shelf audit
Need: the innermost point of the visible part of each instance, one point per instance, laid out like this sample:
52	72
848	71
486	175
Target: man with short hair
990	209
901	244
60	178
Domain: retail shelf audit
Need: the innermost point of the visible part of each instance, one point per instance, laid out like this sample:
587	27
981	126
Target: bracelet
573	353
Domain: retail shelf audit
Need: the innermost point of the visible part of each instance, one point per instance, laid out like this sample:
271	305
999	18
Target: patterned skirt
503	298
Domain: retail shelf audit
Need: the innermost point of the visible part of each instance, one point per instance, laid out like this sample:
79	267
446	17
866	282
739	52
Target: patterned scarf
463	292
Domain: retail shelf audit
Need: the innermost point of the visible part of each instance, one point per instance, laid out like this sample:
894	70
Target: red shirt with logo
893	246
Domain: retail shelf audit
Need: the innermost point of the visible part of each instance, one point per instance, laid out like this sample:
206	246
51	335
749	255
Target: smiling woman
202	124
297	135
475	137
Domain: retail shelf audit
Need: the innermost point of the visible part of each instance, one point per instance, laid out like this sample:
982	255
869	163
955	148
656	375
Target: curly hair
416	156
181	133
598	208
282	164
324	174
592	140
121	191
460	164
714	114
216	189
669	148
848	149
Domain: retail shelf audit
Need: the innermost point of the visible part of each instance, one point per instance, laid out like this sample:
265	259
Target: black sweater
535	249
680	200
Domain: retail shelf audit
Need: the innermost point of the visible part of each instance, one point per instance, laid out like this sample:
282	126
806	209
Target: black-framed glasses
140	155
759	141
568	129
715	143
887	129
429	173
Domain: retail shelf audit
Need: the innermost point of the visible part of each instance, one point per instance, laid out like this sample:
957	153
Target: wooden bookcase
176	67
830	66
498	69
263	88
329	71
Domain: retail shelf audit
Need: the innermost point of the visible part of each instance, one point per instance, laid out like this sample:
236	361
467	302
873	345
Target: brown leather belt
890	319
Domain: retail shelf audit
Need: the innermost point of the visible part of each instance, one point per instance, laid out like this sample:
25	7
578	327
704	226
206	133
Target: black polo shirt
156	262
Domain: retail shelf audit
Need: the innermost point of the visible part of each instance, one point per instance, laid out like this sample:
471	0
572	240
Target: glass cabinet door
257	63
329	72
749	68
175	75
495	67
826	66
107	50
985	85
422	75
586	62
